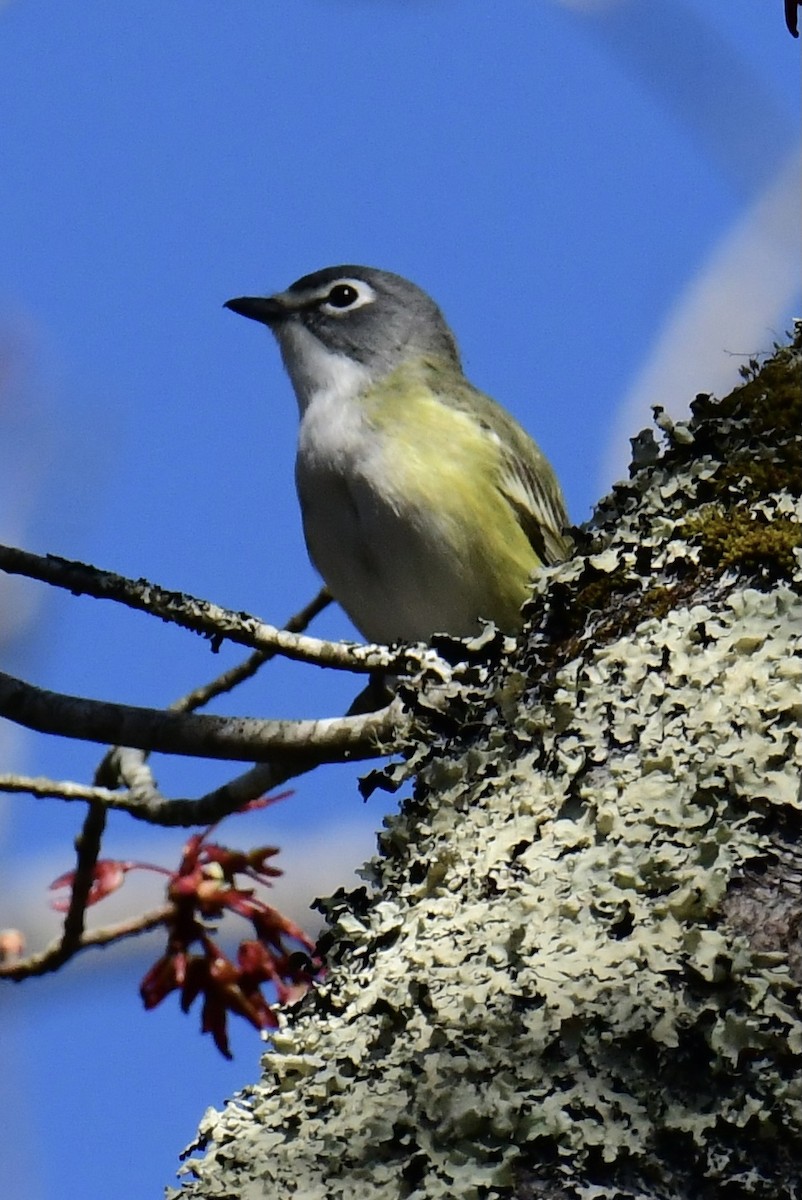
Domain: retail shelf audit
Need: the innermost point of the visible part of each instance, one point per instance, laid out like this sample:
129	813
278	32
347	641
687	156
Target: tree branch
128	766
200	616
156	809
87	850
58	789
52	957
330	739
236	675
145	803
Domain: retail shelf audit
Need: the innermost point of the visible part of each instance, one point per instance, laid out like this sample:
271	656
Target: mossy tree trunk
575	971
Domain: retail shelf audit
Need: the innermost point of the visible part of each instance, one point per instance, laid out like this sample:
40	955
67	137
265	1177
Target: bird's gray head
350	323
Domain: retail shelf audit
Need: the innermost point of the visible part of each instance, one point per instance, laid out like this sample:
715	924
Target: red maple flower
205	887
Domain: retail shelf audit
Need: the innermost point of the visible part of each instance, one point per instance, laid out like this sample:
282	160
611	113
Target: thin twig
58	789
236	675
231	797
87	851
128	766
51	958
87	847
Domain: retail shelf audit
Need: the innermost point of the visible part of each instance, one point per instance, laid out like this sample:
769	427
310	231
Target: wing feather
532	490
526	478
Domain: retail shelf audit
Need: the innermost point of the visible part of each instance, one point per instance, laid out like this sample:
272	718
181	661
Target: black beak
259	308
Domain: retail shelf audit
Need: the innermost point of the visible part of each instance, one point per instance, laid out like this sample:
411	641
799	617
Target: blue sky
599	195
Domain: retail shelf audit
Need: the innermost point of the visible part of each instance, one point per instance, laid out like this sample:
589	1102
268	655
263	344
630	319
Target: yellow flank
448	468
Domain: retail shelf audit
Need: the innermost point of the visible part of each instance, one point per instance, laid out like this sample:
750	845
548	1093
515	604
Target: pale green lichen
544	992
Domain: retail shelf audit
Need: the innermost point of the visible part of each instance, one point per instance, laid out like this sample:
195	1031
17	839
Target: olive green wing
531	488
527	480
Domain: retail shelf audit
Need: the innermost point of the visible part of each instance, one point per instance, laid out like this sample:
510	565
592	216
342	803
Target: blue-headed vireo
426	507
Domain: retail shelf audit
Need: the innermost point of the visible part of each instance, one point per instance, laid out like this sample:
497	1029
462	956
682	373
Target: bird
426	507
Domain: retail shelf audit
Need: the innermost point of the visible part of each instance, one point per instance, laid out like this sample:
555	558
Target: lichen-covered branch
577	971
200	616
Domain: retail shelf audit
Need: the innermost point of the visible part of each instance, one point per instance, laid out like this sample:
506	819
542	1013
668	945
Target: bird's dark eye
342	295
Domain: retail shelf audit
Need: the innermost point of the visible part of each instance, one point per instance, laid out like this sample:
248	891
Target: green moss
773	399
747	451
770	400
601	591
657	602
739	538
757	472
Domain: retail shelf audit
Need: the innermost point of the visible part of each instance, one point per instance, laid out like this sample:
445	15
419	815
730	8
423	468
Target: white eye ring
363	294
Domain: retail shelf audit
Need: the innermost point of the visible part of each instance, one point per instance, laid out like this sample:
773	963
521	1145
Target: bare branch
128	766
330	739
87	850
156	809
230	679
210	620
381	733
144	802
73	937
58	789
52	957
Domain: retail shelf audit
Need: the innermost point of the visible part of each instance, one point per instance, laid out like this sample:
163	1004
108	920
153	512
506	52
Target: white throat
317	373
